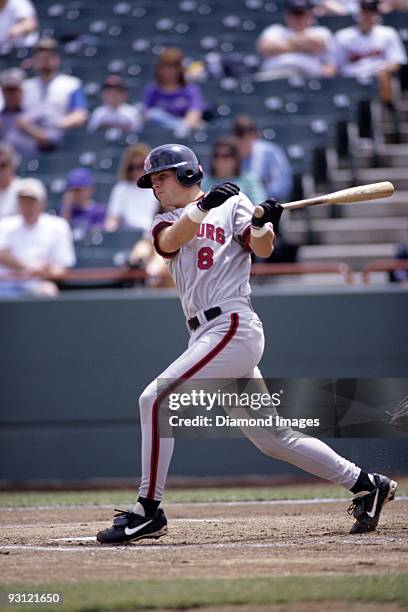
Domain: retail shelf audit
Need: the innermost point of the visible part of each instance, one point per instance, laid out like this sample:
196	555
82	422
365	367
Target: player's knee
146	401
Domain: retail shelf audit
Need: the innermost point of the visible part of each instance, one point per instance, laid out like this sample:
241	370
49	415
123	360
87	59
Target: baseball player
207	239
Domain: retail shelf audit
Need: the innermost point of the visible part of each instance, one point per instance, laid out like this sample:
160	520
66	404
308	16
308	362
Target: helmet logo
147	164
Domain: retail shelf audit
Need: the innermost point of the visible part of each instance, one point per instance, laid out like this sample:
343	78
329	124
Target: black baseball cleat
366	507
128	526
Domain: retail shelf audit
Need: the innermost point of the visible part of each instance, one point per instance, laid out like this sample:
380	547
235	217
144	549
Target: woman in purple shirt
170	100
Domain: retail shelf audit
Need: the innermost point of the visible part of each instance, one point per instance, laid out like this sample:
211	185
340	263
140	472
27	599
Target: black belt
209	314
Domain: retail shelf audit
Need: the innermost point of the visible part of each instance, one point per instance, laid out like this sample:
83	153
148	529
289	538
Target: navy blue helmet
172	156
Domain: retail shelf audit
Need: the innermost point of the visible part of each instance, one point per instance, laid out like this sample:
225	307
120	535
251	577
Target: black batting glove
272	214
217	196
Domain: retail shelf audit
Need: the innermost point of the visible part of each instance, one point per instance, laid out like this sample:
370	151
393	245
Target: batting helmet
172	156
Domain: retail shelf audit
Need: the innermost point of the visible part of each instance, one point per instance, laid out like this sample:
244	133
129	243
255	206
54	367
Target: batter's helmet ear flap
172	157
189	176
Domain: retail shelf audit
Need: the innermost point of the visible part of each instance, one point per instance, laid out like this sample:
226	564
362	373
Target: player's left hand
218	195
272	214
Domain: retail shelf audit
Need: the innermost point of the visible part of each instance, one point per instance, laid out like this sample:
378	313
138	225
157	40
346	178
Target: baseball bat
362	193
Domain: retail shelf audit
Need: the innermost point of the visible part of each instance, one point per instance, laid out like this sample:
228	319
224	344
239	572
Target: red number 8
205	258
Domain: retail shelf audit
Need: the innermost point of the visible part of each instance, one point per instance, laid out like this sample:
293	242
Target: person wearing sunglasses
129	206
225	166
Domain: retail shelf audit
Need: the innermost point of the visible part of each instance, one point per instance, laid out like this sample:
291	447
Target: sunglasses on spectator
223	155
132	167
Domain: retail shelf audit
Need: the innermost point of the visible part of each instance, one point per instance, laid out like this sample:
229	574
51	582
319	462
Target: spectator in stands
400	276
33	245
78	205
11	82
299	47
133	208
18	23
369	48
171	101
336	7
9	182
386	6
129	206
115	111
225	165
265	160
53	102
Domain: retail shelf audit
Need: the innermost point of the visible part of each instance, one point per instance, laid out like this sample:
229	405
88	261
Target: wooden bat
362	193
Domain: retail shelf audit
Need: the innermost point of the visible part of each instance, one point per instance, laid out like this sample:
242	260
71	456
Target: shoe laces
121	512
358	503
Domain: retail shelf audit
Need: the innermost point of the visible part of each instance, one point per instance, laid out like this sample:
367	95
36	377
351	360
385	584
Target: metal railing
122	274
383	265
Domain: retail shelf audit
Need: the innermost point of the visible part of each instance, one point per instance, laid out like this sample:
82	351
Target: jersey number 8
205	258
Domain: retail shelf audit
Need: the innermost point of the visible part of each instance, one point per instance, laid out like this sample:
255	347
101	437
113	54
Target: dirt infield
38	545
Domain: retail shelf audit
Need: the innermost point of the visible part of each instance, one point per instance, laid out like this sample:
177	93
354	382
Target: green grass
192	592
121	498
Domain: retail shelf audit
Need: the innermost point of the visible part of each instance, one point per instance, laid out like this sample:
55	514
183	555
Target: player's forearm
172	238
263	246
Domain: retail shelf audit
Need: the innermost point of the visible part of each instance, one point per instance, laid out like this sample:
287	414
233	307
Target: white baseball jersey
309	64
363	55
215	266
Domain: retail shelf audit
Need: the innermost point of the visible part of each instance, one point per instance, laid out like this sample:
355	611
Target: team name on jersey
356	56
211	232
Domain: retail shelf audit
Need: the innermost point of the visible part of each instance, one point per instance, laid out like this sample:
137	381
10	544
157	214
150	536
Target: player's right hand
217	196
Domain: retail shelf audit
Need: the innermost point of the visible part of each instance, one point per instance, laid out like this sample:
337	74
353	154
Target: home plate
87	539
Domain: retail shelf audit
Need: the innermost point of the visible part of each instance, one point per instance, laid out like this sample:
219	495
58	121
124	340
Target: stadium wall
72	370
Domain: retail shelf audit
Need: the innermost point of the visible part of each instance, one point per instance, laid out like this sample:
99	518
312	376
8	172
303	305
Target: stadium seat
102	250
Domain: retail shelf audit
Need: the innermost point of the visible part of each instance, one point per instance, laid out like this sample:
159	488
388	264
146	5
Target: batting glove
272	214
217	196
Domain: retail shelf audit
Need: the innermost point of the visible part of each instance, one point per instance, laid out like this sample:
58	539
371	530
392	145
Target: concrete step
389	155
387	129
397	175
350	231
403	109
355	255
396	206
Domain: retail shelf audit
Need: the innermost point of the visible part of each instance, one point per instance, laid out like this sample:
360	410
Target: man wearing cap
78	206
299	47
11	82
369	48
18	23
33	245
54	102
115	111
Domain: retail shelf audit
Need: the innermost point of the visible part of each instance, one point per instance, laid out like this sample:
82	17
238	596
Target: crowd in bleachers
259	89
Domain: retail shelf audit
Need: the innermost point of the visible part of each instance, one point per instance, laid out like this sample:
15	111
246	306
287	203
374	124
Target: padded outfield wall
72	369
